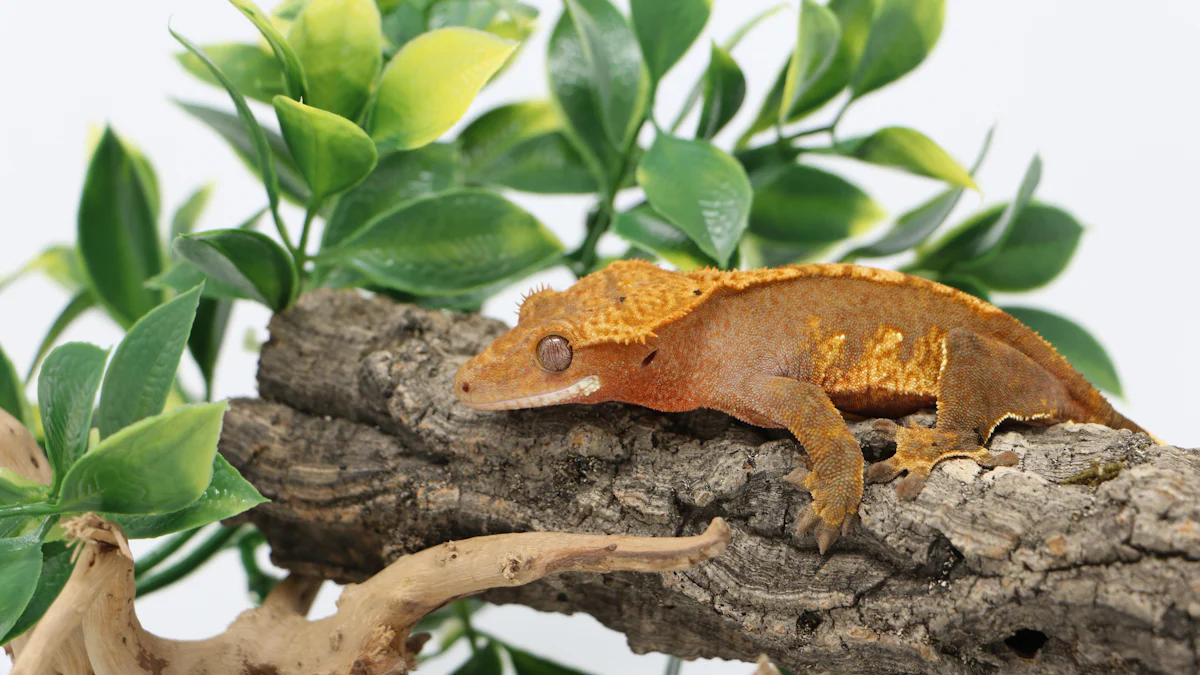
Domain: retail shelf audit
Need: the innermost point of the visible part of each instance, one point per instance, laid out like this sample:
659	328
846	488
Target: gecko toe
910	487
826	535
1006	458
882	472
808	518
798	476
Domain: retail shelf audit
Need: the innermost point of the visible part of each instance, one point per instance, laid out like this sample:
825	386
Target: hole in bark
649	358
562	597
1026	643
808	621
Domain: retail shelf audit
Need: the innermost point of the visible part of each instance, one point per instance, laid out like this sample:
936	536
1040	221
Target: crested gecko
794	347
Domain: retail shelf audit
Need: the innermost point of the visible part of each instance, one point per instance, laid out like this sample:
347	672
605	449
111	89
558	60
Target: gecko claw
823	532
808	518
825	537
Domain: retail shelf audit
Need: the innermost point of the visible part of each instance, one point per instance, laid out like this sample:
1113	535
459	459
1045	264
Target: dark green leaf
855	18
499	130
571	89
183	276
404	23
249	261
620	82
700	189
547	164
227	495
117	234
528	664
145	173
903	34
12	392
22	566
993	237
477	14
448	244
208	332
333	154
759	252
66	396
189	212
965	283
398	177
485	661
724	91
293	72
647	229
1036	249
1078	346
157	465
340	47
254	72
56	569
144	364
666	29
231	128
816	45
910	151
805	205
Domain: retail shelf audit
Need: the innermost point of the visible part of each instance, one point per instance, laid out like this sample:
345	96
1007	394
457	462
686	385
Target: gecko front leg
836	476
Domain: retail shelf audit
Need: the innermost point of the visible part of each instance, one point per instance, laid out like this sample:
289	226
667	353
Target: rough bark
358	441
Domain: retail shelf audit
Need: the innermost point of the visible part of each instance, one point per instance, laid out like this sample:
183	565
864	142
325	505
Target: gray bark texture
359	442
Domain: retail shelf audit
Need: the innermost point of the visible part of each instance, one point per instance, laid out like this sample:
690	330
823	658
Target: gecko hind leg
919	450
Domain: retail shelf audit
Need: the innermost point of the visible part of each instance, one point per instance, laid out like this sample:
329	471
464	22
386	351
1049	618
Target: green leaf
448	244
910	151
620	82
296	85
571	92
855	18
1036	249
227	495
118	240
816	46
184	220
66	396
993	237
183	276
700	189
521	146
22	566
484	661
231	128
144	364
251	262
12	392
644	227
965	283
340	47
16	489
253	71
805	205
914	227
77	305
528	664
56	568
1078	346
399	177
403	23
258	141
60	263
499	130
724	91
902	35
333	154
428	86
666	29
157	465
208	332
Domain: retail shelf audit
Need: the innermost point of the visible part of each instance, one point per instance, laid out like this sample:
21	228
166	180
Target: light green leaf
117	234
66	396
227	495
399	177
700	189
1077	345
293	72
22	566
249	261
17	489
528	664
12	392
184	220
333	154
645	228
428	86
1036	249
157	465
253	71
56	568
620	81
231	128
816	46
902	35
666	29
448	244
60	263
340	47
144	364
724	91
805	205
910	151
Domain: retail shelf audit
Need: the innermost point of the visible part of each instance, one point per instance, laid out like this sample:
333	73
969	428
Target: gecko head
582	345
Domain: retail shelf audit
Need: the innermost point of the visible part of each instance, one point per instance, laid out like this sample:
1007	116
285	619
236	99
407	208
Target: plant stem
258	582
200	555
673	665
808	132
600	219
302	250
283	235
36	509
464	615
164	551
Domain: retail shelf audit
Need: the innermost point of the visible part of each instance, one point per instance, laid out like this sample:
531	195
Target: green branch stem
279	226
301	253
464	615
162	552
193	560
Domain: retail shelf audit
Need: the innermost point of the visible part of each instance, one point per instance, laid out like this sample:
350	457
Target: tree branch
366	455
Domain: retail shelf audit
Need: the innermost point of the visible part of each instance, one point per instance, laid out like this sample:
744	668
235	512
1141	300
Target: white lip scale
583	387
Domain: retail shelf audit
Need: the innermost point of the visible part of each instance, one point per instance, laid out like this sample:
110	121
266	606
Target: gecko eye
554	353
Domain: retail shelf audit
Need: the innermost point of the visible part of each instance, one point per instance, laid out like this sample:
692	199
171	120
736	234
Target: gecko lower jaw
584	387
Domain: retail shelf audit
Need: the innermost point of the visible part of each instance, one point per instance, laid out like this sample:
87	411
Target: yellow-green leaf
910	150
332	153
293	71
340	46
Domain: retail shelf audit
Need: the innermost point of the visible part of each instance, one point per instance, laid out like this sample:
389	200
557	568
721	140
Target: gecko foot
826	519
919	450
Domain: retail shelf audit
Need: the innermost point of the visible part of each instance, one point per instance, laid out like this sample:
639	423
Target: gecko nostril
466	387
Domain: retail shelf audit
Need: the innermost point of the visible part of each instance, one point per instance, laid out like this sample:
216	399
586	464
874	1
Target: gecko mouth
587	385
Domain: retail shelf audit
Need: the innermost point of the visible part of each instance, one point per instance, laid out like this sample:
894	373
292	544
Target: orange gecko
792	347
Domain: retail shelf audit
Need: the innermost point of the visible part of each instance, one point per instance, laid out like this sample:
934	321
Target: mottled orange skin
797	347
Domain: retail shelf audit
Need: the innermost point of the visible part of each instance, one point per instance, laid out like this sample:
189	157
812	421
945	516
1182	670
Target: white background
1104	90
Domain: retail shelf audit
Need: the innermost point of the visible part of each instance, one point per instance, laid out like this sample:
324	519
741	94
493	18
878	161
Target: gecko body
793	347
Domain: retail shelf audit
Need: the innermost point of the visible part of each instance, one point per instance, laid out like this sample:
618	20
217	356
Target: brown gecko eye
554	353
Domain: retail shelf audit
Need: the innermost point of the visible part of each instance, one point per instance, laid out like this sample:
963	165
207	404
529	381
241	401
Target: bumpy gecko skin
792	347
